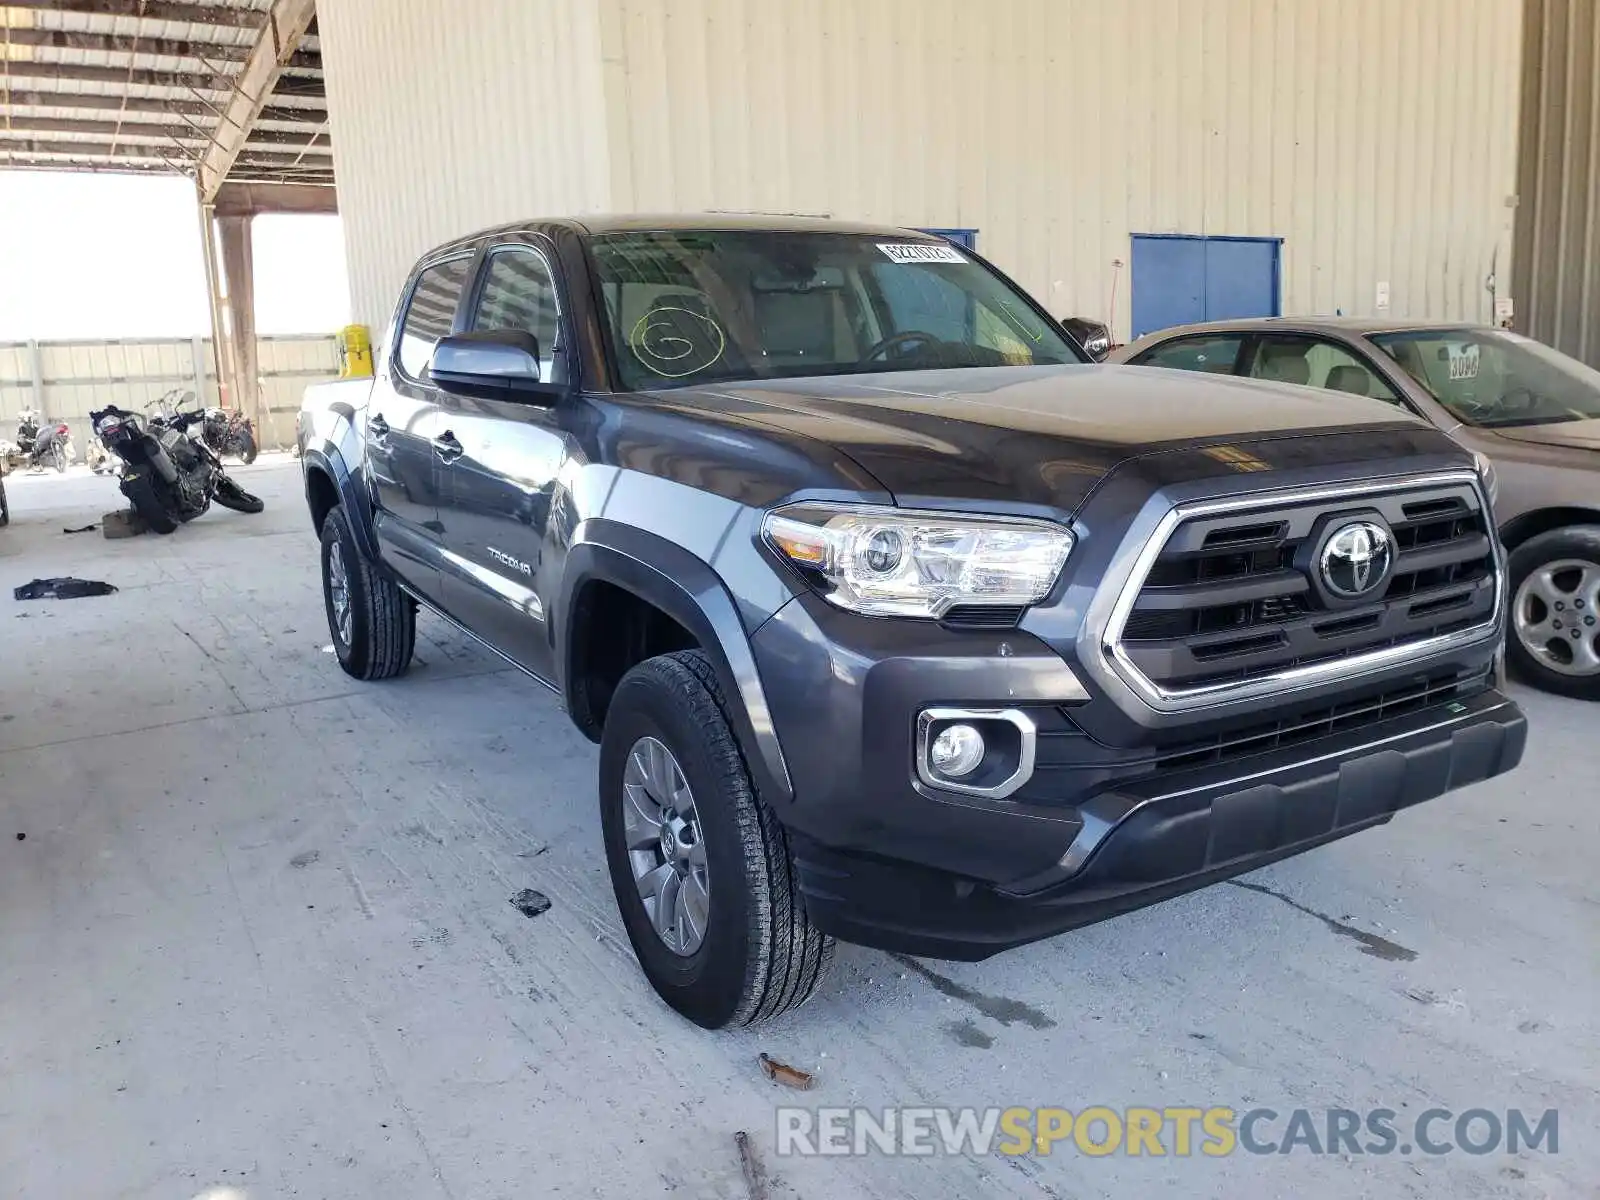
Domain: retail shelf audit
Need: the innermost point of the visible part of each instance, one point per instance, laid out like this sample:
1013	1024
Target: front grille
1232	597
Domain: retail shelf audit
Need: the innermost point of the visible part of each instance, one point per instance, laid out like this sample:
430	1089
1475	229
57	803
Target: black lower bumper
1170	834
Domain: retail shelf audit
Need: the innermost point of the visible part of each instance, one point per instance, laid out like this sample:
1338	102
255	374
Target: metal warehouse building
1156	160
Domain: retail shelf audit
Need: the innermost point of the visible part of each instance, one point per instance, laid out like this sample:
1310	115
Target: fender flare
688	590
327	460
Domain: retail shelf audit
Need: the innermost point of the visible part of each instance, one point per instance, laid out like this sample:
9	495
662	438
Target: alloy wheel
339	592
1557	616
665	849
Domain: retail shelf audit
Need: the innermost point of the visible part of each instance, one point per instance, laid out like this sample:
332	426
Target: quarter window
519	292
431	312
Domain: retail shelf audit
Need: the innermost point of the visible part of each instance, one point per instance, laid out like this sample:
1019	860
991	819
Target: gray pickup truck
895	619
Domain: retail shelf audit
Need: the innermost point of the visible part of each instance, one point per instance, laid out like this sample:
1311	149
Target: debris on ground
90	528
783	1073
64	588
531	903
124	524
755	1179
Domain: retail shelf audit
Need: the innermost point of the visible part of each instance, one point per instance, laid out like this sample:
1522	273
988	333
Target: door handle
447	447
378	427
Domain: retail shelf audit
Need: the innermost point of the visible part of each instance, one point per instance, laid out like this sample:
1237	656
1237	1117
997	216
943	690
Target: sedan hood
1046	436
1578	435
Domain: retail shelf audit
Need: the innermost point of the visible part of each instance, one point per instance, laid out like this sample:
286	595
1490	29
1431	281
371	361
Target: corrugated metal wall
1376	138
67	380
1556	284
453	115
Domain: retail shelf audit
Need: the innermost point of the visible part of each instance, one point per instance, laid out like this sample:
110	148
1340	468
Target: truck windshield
694	307
1489	377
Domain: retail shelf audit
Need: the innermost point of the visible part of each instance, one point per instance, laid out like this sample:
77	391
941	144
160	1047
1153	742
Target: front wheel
699	865
58	458
1555	611
230	495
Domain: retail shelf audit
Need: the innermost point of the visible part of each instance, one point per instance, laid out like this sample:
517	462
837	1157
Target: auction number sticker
920	252
1463	362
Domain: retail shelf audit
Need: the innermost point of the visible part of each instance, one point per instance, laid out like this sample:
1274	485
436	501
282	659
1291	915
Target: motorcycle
230	432
44	445
169	476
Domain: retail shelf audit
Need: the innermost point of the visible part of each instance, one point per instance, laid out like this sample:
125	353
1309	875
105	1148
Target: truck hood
1046	436
1578	435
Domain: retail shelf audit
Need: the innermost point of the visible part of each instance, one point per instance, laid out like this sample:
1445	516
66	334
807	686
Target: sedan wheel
1556	612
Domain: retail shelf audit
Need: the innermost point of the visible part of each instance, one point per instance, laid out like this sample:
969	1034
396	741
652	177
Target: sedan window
1493	378
1315	362
1212	353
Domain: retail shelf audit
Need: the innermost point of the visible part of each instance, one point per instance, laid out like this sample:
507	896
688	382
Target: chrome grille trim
1108	615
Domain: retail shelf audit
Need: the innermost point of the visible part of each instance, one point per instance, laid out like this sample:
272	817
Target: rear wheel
1555	611
700	866
373	623
230	495
247	447
146	498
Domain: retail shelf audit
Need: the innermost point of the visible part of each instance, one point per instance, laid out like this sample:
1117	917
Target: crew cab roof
603	223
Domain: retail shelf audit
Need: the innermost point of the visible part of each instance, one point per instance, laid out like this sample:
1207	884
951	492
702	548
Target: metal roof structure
224	91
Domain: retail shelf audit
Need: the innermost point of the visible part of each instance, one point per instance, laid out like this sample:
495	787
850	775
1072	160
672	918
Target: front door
502	459
402	422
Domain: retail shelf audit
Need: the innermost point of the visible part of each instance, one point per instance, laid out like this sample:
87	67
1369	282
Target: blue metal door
1241	278
1178	280
961	237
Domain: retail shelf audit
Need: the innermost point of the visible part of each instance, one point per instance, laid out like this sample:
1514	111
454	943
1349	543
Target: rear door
501	462
403	420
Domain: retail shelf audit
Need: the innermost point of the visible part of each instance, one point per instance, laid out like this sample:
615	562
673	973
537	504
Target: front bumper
1168	835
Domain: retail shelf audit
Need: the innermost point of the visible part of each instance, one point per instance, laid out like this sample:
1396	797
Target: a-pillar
239	361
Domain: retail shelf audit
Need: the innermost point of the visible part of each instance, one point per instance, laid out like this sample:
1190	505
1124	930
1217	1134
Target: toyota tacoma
894	619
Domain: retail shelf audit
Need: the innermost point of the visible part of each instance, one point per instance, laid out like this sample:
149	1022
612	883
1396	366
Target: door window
519	292
1319	364
1212	353
431	312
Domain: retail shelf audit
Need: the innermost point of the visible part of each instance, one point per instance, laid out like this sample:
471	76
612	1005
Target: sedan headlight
887	562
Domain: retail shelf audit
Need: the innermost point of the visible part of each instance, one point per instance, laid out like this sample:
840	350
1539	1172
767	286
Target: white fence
66	380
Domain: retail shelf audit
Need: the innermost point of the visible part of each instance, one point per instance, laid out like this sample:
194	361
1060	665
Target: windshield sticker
677	342
920	252
1463	362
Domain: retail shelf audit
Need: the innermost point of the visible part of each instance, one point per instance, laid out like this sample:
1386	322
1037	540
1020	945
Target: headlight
1491	482
887	562
107	424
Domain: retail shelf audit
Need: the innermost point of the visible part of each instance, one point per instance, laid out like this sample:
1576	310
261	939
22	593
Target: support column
219	350
36	368
239	270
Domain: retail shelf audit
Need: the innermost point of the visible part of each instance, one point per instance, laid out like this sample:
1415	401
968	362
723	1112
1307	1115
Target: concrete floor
257	942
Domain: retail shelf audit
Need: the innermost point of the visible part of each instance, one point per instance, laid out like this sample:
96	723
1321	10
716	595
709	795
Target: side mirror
495	364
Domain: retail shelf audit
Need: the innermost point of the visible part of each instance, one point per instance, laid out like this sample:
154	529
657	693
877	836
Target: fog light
956	751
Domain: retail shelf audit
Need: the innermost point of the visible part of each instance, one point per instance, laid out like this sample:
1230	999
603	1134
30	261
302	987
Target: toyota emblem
1356	559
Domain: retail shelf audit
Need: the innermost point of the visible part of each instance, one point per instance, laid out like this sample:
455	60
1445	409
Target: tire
230	495
58	458
1536	642
382	631
247	447
5	509
145	497
759	956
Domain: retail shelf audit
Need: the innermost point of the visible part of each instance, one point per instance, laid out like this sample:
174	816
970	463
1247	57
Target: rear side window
1212	353
431	312
1313	362
519	292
